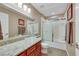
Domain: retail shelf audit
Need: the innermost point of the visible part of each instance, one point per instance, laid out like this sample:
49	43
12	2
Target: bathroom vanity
34	50
28	46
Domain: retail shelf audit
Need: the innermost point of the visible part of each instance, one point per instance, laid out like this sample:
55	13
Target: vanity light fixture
25	7
20	5
29	10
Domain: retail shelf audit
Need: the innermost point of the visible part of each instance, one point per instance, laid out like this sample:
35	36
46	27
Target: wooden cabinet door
31	49
34	50
69	30
70	33
38	48
1	35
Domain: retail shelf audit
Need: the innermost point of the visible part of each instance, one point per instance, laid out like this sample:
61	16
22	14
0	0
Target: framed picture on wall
70	12
20	21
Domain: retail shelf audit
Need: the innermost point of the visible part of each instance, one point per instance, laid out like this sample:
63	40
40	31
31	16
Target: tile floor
55	52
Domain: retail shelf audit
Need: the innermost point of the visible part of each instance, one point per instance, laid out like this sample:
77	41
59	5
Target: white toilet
44	47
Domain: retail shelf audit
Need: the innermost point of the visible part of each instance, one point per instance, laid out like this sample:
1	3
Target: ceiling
49	9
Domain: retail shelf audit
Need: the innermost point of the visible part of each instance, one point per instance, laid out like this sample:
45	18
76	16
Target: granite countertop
18	46
15	39
12	39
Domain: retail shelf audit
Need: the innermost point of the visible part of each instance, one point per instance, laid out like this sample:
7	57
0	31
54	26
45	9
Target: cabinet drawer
31	49
38	46
34	50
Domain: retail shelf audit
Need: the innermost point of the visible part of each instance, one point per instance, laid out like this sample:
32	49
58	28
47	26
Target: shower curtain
47	31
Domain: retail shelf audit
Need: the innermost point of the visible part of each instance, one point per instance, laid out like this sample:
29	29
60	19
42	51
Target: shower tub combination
50	36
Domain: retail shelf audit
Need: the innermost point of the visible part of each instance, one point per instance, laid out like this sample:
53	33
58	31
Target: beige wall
13	19
36	15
